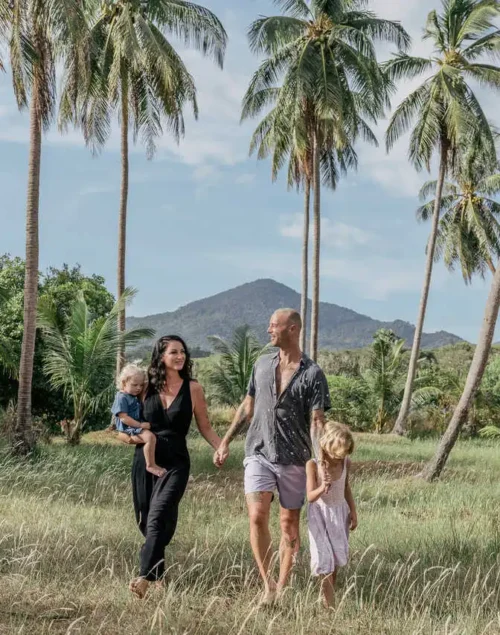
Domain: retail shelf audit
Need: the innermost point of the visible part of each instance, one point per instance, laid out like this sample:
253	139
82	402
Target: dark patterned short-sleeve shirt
280	428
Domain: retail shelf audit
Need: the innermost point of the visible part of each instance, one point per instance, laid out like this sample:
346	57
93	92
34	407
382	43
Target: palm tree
446	113
81	354
435	466
41	34
275	136
325	54
231	374
137	72
468	232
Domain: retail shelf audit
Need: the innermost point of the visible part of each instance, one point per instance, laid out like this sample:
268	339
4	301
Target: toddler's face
134	385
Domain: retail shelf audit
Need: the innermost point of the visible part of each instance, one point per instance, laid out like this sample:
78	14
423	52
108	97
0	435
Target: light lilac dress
328	520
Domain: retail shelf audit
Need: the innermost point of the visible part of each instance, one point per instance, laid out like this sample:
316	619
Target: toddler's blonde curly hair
128	372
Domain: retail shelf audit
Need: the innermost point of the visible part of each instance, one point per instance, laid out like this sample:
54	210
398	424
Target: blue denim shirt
130	405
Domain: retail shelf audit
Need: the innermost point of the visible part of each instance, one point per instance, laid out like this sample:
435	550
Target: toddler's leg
328	589
149	440
125	438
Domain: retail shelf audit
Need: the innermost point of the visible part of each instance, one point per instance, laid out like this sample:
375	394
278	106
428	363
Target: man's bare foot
156	470
139	587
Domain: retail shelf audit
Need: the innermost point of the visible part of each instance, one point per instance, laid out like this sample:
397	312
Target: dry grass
425	559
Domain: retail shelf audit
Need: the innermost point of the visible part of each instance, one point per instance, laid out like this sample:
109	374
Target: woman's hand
221	454
201	416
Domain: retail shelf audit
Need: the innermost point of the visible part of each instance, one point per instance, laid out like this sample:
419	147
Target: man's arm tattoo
240	420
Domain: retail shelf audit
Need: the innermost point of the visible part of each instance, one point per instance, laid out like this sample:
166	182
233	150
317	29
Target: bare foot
156	470
139	587
269	596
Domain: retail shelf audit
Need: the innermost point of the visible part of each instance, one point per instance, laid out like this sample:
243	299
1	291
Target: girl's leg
149	440
328	589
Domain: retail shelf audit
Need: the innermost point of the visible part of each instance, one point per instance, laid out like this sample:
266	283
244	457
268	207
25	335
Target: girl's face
174	356
134	385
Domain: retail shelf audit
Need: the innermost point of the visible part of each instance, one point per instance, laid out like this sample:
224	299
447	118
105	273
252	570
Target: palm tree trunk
316	251
434	468
491	266
305	264
23	440
122	225
400	426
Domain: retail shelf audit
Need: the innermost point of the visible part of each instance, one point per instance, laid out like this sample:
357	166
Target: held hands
221	455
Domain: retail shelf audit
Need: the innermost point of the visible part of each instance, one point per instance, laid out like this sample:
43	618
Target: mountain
253	304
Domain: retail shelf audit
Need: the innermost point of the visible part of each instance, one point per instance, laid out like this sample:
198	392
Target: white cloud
372	277
206	173
334	234
245	179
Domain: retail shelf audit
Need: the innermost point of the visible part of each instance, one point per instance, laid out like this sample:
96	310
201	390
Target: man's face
279	330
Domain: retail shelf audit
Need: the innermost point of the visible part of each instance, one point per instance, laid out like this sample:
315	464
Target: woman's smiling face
174	356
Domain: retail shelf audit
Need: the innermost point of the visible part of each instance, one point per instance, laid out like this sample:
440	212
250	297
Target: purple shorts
263	476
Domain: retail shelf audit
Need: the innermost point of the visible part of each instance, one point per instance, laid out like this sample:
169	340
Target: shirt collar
302	362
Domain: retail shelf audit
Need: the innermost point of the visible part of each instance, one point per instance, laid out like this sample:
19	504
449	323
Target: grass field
425	558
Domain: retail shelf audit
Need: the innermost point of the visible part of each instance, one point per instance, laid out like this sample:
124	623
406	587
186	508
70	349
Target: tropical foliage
81	353
8	360
231	373
469	230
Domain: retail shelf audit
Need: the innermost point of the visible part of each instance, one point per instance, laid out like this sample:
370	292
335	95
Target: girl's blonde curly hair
128	372
336	441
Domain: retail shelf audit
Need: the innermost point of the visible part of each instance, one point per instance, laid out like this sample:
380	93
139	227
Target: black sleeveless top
170	425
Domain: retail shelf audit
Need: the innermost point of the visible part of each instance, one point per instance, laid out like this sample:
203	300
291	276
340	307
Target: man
286	401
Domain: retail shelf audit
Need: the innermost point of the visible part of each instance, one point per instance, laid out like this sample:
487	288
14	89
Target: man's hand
221	454
354	521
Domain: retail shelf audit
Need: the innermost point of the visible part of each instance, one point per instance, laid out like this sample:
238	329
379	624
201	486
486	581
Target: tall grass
424	560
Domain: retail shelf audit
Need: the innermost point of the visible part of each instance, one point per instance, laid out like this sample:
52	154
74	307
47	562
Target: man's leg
259	505
289	544
292	490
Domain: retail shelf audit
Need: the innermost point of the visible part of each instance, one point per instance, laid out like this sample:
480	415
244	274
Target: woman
172	398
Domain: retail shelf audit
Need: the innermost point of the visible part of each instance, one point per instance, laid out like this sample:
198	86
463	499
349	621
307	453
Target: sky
205	217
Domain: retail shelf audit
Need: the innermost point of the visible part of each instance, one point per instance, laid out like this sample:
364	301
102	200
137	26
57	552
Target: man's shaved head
284	328
291	315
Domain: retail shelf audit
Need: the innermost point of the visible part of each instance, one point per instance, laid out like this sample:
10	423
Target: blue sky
203	217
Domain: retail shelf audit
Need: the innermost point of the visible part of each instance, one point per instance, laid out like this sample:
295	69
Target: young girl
332	511
127	410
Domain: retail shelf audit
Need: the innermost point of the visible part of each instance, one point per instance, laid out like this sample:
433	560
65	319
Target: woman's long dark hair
157	373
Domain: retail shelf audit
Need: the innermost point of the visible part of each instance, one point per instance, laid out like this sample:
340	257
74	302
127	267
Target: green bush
352	402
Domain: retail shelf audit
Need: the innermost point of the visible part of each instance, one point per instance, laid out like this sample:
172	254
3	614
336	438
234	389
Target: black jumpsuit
156	500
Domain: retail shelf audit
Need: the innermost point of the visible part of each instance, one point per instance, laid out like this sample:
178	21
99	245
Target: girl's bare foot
269	596
139	587
156	470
